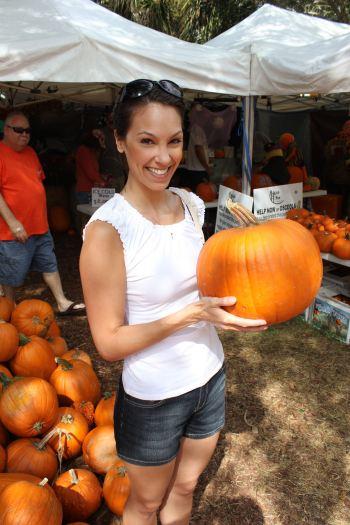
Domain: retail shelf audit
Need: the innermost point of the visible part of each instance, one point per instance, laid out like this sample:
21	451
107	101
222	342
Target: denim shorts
18	258
148	433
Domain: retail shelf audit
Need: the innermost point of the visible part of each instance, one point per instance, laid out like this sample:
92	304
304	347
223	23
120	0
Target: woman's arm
102	271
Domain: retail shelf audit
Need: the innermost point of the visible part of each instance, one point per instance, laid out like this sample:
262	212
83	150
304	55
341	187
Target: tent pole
248	105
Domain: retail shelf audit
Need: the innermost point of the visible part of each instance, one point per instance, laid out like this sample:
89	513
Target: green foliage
201	20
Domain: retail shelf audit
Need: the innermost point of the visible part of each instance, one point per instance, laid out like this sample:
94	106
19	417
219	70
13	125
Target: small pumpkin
75	381
74	426
273	268
325	240
6	308
32	317
32	456
28	405
261	180
75	353
341	247
34	358
58	345
297	213
233	182
25	502
87	409
99	449
206	191
79	492
116	488
53	330
9	339
104	412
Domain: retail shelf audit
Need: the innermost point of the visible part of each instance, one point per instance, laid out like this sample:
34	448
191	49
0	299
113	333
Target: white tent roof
79	42
291	52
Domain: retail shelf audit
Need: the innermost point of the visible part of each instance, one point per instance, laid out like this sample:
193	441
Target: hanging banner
224	219
100	196
275	201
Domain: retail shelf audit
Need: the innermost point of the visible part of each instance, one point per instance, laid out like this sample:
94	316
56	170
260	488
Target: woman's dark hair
123	111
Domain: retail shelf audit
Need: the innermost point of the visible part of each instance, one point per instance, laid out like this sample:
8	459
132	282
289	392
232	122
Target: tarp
46	43
291	52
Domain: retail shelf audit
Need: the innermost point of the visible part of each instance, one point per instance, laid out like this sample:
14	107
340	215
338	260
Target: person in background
25	240
144	307
110	160
198	168
274	164
294	158
88	173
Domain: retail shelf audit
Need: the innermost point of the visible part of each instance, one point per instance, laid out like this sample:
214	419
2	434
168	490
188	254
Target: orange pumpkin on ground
2	458
54	330
104	413
59	219
116	488
58	345
32	456
99	449
274	268
6	308
7	478
74	426
34	358
79	492
206	191
26	503
75	381
28	406
75	353
9	339
32	317
87	409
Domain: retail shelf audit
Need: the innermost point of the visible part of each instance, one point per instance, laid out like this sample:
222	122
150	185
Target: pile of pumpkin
332	235
207	190
51	412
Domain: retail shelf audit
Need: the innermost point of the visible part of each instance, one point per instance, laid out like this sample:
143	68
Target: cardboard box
331	313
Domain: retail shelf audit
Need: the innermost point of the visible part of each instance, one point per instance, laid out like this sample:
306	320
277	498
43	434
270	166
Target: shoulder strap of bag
192	208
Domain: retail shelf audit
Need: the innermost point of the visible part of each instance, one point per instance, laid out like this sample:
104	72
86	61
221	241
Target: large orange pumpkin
34	358
28	503
116	488
6	308
99	449
79	492
273	268
75	381
7	478
28	405
9	340
32	317
59	219
32	456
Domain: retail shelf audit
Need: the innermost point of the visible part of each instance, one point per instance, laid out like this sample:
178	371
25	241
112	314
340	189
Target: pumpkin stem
23	340
107	395
43	482
67	418
49	435
5	380
240	213
73	476
122	472
66	365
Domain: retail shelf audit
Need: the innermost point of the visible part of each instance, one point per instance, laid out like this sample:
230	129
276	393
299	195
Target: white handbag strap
192	208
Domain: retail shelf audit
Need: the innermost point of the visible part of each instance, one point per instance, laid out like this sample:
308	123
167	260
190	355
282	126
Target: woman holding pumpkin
144	307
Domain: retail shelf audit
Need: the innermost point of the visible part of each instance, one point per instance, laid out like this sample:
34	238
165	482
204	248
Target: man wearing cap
25	240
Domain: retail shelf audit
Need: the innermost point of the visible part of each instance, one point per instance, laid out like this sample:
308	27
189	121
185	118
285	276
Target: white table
332	258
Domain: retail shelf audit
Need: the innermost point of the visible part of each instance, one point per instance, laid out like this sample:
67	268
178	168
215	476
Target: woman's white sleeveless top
160	262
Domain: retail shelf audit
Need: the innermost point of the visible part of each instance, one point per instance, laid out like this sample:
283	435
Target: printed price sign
275	201
224	219
100	196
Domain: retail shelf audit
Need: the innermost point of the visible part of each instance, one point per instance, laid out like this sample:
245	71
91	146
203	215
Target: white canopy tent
84	52
297	62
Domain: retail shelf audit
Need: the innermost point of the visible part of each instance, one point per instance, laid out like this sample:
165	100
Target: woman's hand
210	309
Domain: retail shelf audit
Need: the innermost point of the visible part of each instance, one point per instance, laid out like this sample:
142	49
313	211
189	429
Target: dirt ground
284	455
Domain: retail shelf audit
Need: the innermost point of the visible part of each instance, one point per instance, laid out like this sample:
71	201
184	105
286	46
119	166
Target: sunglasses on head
143	86
19	129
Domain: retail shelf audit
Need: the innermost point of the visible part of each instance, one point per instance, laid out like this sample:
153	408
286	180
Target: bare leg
191	461
148	486
53	281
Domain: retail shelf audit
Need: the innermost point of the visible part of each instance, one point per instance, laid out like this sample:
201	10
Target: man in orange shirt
25	240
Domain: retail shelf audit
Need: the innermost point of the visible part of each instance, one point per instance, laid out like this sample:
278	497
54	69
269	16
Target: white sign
100	196
275	201
224	219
